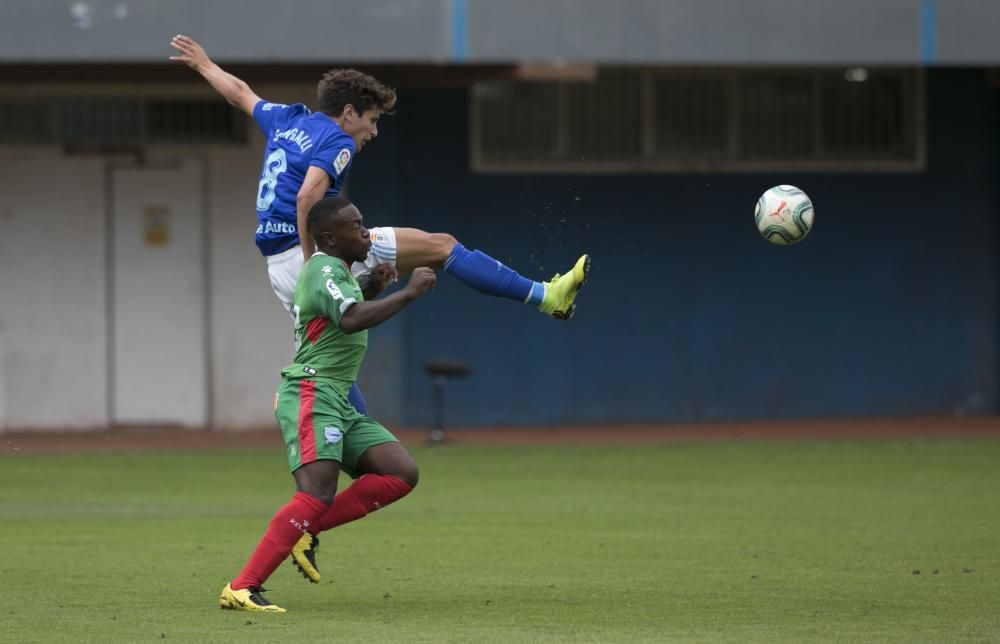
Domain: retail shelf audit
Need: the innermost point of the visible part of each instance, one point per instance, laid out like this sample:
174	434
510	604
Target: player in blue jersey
308	157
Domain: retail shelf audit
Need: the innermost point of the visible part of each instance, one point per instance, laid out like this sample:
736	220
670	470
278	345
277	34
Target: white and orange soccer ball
784	215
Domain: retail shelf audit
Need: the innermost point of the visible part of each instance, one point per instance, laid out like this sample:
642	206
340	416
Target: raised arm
234	90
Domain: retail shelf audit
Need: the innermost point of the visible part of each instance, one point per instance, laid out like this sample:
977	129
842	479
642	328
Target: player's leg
384	472
411	247
415	248
283	272
556	297
306	412
474	268
317	485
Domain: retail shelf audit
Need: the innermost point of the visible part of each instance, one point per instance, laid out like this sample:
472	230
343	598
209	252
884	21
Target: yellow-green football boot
561	290
304	556
248	599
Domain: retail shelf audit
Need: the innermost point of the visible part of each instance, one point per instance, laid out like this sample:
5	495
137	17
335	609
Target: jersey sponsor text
278	227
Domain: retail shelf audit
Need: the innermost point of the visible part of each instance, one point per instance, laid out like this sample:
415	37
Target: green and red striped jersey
326	290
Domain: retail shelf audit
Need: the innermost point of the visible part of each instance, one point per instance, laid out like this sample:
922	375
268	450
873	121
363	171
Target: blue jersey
296	139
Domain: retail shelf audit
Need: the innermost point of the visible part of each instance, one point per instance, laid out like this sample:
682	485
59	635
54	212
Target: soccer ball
784	215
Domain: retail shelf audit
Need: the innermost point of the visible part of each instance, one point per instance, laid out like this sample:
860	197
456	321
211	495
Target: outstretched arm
231	88
365	315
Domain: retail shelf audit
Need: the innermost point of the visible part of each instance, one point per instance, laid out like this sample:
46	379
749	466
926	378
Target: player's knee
408	473
443	245
324	493
318	480
324	490
326	498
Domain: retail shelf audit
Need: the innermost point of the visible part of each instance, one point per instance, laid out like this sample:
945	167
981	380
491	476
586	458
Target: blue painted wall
888	308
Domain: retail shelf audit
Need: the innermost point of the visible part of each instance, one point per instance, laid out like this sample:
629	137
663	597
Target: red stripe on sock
307	434
315	329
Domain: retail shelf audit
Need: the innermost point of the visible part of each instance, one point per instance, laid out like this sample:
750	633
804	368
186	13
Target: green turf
747	542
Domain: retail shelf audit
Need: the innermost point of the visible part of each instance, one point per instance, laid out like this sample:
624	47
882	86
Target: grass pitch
744	542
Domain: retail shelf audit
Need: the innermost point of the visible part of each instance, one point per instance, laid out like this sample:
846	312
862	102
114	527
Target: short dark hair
340	87
322	214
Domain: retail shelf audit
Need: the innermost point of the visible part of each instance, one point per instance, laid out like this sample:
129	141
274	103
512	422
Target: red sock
367	494
287	526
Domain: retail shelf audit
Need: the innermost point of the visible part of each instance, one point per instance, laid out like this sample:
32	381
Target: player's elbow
348	328
306	199
351	324
241	103
241	98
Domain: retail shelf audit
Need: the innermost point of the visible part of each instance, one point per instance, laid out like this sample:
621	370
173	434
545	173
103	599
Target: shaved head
324	214
336	225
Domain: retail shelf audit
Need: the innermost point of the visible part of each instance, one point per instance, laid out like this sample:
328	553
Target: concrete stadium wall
888	308
54	272
53	345
54	311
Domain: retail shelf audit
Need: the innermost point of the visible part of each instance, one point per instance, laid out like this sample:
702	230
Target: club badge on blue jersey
342	160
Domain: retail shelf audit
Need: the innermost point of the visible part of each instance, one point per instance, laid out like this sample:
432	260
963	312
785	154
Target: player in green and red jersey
323	432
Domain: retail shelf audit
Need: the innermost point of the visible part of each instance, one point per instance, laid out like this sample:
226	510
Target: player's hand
381	276
192	54
421	281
